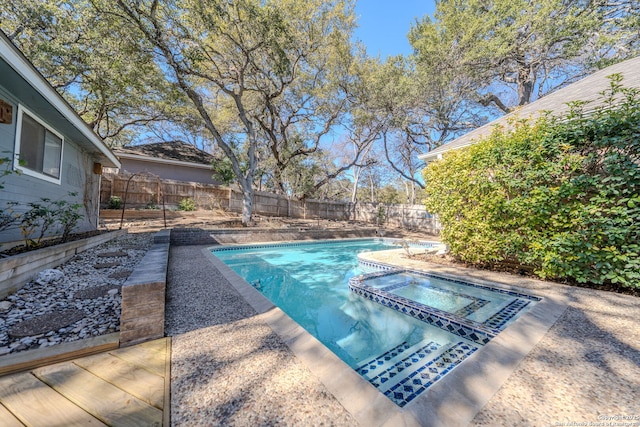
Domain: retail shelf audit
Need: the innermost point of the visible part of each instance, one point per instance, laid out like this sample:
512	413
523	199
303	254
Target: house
174	160
587	89
54	151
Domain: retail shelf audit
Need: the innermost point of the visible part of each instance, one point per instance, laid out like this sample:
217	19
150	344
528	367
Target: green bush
187	205
560	196
45	213
115	202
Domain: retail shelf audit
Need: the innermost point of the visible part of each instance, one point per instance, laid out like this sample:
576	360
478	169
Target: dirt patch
218	219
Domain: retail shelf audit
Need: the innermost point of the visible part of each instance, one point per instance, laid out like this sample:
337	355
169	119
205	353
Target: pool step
387	360
407	378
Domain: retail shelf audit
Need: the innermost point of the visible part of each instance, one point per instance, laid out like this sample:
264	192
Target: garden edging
17	270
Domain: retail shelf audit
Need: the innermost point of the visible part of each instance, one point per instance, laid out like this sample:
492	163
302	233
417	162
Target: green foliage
67	216
187	205
115	202
223	171
559	196
522	44
43	215
37	219
114	86
390	195
382	215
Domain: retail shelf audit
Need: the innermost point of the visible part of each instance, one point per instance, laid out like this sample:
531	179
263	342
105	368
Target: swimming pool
399	353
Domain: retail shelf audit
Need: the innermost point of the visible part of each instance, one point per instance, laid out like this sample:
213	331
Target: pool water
361	323
309	283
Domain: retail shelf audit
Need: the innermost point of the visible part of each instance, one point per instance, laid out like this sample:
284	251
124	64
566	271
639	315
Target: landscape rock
5	306
113	254
56	293
49	276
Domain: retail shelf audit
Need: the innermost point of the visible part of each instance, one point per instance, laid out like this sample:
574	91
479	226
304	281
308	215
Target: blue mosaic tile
477	332
500	319
471	308
386	377
426	375
370	367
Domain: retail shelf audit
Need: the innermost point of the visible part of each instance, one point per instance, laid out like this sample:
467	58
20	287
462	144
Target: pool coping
453	400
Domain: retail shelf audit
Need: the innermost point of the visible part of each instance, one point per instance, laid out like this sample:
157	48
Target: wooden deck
124	387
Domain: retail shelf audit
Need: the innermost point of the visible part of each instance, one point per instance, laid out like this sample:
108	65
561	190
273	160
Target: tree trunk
247	204
371	187
525	83
356	178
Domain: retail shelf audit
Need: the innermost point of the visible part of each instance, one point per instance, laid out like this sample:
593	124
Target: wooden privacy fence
148	190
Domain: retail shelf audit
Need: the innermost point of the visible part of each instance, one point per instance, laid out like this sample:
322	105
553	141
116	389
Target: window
39	147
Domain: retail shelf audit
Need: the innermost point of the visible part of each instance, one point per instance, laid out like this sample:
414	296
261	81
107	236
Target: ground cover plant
558	196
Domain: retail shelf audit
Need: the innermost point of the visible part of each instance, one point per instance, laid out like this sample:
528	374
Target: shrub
36	221
8	217
187	205
42	215
560	196
67	216
115	202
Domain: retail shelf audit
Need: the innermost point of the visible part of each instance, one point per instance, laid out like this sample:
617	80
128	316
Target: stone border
453	400
143	294
17	270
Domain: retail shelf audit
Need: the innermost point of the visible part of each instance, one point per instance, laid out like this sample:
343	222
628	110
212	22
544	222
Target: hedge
559	196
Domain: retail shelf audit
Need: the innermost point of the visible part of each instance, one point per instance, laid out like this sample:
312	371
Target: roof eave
25	69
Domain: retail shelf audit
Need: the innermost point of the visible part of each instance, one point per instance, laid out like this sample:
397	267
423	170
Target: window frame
25	170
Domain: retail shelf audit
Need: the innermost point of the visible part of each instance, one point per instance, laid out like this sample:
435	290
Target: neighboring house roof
174	152
26	82
587	89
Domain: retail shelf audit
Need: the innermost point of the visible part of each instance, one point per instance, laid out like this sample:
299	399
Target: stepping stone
45	323
120	274
113	254
106	265
95	292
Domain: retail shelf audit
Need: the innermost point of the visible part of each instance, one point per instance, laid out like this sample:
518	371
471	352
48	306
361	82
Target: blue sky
384	24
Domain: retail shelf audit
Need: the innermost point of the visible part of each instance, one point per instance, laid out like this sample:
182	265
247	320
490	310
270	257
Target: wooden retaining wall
17	270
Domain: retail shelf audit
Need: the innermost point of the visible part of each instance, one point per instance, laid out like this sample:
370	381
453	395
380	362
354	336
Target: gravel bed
76	300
